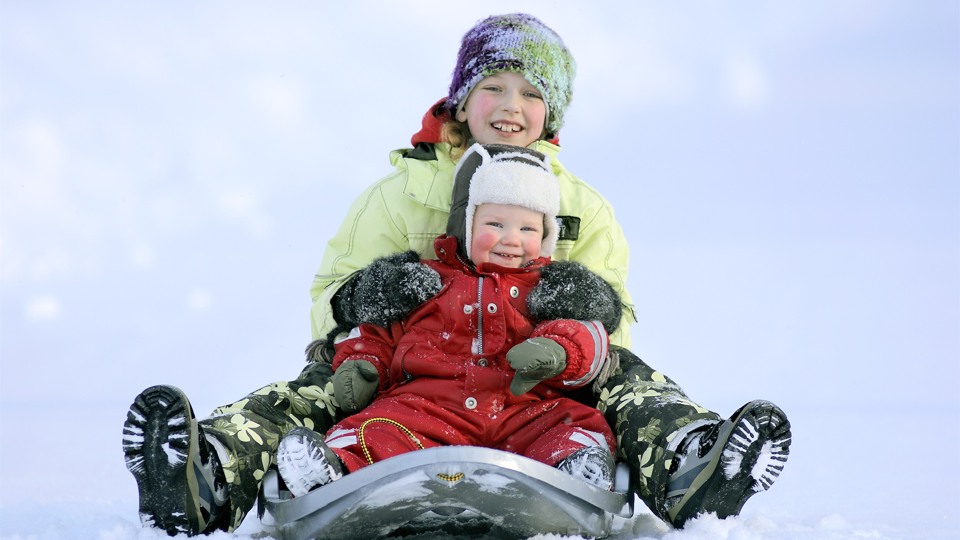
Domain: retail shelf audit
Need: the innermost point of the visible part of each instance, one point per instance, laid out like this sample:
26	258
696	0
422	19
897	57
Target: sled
447	492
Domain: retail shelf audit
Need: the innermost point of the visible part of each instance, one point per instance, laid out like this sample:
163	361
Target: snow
744	435
70	482
765	468
786	174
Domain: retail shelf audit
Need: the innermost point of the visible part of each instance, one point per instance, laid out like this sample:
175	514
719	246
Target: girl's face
505	234
505	108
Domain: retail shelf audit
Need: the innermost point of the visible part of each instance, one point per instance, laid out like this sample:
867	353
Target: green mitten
354	384
535	360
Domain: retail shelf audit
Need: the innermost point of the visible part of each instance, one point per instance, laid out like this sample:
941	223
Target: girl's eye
534	95
494	224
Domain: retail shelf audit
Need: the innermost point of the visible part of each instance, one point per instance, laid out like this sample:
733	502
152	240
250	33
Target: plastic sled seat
453	491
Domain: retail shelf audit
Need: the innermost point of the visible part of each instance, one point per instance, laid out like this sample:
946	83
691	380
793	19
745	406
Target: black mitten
568	290
386	291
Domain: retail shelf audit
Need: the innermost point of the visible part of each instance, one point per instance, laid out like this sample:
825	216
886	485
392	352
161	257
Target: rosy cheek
480	245
533	249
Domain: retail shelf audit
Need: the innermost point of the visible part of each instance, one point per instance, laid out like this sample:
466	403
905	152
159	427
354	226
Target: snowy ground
70	482
786	173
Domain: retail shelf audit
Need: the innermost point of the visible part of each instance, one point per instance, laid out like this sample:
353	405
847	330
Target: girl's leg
181	484
246	434
647	412
675	446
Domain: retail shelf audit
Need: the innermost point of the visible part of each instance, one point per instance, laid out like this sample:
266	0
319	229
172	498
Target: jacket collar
446	249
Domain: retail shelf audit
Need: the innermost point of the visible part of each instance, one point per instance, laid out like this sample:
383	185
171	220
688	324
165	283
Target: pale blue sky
786	173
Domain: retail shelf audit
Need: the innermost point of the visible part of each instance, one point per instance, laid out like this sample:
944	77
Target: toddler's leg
306	462
592	464
568	435
387	428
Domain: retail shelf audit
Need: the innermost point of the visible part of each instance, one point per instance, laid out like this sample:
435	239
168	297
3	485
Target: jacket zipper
480	316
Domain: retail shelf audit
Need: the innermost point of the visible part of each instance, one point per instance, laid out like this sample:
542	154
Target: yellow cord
451	477
398	425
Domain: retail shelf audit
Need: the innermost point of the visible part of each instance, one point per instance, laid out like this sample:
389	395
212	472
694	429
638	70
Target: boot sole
300	465
754	453
160	446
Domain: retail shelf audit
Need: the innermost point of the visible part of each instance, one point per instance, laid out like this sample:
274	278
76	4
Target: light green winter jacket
409	208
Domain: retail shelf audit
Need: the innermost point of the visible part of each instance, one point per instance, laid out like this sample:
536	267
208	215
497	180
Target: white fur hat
503	174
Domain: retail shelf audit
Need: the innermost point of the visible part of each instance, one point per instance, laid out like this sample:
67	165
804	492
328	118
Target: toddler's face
506	234
505	108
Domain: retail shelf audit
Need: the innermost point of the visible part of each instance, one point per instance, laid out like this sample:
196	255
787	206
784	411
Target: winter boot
592	464
181	483
717	468
306	462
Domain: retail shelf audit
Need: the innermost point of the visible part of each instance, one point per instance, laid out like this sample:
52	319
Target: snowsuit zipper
480	315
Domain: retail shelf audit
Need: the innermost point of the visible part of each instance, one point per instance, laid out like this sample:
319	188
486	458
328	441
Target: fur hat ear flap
459	223
475	156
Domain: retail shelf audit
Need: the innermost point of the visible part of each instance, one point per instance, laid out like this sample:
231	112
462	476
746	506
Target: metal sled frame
458	489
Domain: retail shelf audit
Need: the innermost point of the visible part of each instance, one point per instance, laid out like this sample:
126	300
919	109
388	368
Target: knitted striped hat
504	174
520	43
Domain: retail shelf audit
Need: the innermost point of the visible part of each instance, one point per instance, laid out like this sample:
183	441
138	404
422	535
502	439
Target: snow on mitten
568	290
386	291
354	384
535	360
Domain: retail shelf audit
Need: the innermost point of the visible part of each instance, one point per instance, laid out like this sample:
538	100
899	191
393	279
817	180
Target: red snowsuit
445	379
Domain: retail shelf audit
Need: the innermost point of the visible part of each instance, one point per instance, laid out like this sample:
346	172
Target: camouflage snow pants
249	431
645	409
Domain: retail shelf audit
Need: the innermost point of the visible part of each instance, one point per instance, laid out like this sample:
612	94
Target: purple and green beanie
520	43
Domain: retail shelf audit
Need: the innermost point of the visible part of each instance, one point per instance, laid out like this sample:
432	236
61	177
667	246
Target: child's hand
354	384
535	360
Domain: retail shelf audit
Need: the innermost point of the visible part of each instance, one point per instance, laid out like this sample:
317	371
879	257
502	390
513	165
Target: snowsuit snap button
492	308
468	309
470	403
482	362
514	292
